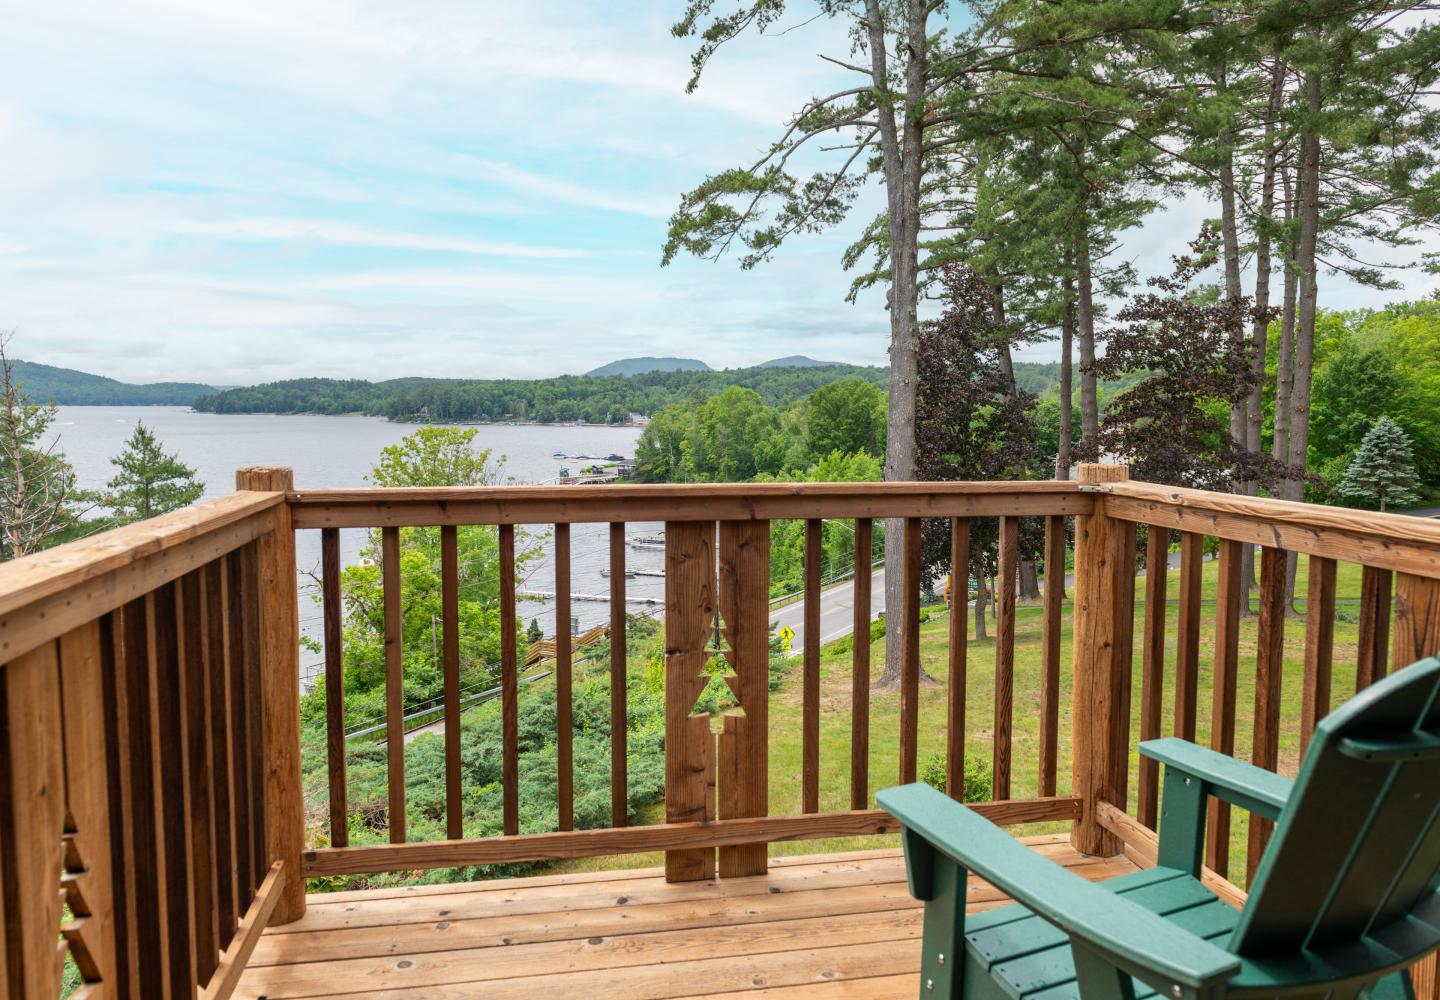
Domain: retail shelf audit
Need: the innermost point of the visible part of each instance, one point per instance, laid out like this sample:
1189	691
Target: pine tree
1383	468
149	482
38	495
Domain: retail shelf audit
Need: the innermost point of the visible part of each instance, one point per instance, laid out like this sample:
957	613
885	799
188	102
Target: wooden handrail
372	508
1386	541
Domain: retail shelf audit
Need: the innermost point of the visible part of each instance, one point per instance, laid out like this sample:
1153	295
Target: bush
978	781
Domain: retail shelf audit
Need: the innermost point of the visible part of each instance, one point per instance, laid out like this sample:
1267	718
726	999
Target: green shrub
978	781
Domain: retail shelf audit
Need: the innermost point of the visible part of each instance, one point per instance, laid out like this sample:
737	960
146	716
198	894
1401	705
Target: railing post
280	691
1104	609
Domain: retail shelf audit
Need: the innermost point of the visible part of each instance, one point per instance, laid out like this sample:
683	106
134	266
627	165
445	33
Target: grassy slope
785	752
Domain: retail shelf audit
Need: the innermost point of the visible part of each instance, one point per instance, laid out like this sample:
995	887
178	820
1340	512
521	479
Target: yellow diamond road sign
786	633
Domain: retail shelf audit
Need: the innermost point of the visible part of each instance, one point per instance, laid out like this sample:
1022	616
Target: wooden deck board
832	927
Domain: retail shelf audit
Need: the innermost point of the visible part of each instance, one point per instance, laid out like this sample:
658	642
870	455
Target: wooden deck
831	927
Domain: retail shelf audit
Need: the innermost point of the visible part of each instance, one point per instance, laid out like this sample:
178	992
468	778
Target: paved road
837	611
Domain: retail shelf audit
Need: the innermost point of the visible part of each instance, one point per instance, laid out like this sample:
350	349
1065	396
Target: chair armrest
1245	785
1125	933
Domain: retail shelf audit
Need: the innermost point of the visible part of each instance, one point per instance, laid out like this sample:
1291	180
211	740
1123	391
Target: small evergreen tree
38	495
1383	469
149	482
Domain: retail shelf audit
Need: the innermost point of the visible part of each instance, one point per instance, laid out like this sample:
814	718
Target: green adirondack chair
1346	896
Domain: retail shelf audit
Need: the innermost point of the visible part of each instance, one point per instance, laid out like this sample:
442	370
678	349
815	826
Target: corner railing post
280	691
1103	627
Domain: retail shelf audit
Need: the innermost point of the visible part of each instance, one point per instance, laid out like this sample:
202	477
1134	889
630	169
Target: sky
238	193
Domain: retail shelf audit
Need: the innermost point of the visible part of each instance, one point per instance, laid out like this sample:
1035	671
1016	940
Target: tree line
599	399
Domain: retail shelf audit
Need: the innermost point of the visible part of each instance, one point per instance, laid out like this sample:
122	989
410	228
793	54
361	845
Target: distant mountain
640	366
797	361
67	387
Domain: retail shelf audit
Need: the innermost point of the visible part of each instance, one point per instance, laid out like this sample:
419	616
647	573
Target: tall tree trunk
1305	310
1255	415
1067	388
1306	304
1285	363
1001	324
900	144
1029	572
1085	322
1254	431
1029	580
1230	249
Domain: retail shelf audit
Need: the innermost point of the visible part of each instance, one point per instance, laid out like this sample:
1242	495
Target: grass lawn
785	711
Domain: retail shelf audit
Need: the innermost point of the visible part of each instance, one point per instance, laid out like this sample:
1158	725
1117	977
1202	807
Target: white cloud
340	234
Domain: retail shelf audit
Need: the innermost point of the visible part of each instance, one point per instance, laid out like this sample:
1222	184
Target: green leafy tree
1383	470
437	456
1352	392
846	417
149	482
431	456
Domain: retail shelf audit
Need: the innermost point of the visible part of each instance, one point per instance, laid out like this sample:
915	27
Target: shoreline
358	414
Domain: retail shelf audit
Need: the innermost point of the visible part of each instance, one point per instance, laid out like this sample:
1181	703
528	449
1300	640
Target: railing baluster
810	676
32	815
1053	601
119	767
959	619
334	683
1187	635
1269	672
255	717
217	613
564	689
1118	783
689	745
1152	677
1374	638
1319	647
743	758
167	735
394	682
910	651
860	668
509	683
191	621
1009	567
93	945
619	791
450	656
1417	619
240	591
1225	675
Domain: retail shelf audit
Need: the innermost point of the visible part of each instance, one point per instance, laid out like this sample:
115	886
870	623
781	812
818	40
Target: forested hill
591	398
67	387
639	366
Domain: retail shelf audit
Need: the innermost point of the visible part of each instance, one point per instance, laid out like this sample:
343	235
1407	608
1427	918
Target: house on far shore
637	420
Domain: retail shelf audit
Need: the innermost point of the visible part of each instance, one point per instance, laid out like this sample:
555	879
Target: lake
338	452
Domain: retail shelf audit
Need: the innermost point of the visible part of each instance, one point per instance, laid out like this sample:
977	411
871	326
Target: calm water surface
338	452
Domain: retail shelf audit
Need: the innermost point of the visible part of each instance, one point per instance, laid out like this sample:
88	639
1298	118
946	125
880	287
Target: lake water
338	452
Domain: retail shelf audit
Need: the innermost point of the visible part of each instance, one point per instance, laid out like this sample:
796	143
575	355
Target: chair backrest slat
1357	847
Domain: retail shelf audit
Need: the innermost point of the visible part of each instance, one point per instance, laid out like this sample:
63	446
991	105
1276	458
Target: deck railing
149	776
717	569
149	738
